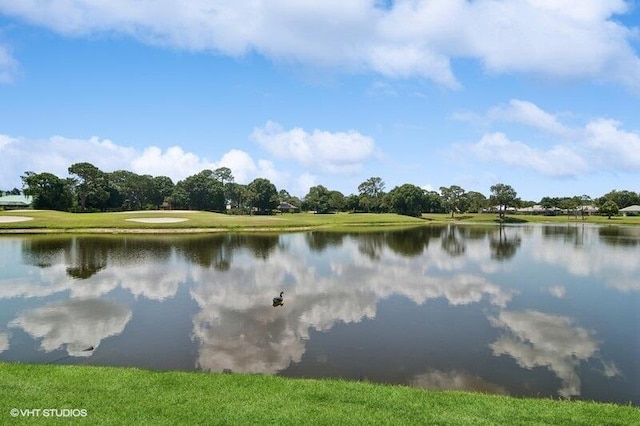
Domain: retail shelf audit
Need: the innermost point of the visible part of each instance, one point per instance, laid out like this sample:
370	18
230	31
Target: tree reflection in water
504	247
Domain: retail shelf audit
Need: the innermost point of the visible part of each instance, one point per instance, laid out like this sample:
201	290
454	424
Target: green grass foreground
54	221
132	396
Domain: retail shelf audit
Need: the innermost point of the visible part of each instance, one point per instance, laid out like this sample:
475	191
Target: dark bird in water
89	349
278	301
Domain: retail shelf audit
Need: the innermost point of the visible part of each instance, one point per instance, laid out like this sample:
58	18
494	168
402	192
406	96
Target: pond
543	311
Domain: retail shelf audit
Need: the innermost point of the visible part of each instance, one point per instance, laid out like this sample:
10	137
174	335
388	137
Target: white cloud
612	146
8	66
56	154
530	114
411	38
557	161
155	161
339	152
304	182
599	145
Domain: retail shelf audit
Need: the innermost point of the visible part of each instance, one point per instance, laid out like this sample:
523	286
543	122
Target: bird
278	301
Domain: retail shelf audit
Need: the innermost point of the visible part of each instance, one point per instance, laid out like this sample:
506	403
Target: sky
542	95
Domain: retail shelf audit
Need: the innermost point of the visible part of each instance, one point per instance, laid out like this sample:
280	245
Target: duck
278	301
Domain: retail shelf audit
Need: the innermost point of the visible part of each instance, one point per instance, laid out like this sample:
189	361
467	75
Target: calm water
526	310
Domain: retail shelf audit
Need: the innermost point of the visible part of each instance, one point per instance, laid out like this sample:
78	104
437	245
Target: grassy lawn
200	220
206	221
523	218
132	396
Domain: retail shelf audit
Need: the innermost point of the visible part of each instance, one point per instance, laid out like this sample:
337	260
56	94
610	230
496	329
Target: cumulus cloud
530	114
599	145
56	154
337	152
409	38
612	145
557	161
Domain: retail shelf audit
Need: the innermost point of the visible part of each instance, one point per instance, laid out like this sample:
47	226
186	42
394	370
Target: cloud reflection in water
74	324
536	339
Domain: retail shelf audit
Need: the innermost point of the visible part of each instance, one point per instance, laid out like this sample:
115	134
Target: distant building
635	209
285	207
16	201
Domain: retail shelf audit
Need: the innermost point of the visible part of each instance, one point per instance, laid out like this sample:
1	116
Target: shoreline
36	222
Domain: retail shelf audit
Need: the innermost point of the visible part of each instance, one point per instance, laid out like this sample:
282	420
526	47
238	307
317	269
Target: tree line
90	189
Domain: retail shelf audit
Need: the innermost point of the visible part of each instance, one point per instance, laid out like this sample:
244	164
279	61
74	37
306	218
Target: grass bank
191	221
132	396
523	218
195	221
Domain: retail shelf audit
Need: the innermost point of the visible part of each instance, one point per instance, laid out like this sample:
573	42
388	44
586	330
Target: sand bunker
158	219
10	219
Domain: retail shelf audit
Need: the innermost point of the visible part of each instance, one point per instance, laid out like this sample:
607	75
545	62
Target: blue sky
539	94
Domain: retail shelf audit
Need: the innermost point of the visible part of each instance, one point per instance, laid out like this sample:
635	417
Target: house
285	207
635	209
16	202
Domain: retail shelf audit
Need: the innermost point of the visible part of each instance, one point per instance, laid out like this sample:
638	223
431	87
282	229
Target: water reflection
619	236
74	325
482	308
505	244
536	339
4	342
217	251
456	380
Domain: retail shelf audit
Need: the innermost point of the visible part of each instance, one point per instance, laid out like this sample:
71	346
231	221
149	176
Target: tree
453	198
127	190
609	208
223	175
336	200
407	199
162	188
320	200
317	199
476	201
237	195
371	192
48	191
352	202
433	202
504	196
91	185
263	195
202	192
621	198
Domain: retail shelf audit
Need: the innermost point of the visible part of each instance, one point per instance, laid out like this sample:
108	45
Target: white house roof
631	209
16	200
